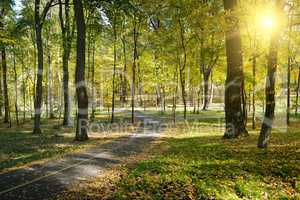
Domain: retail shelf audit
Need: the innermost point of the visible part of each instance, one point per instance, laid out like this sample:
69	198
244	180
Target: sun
267	22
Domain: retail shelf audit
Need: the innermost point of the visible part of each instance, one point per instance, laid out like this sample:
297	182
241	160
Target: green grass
20	147
198	164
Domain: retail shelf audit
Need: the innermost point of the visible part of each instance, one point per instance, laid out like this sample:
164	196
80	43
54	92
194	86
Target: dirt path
51	178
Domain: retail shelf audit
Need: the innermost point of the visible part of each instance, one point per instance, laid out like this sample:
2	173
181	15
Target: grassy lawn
197	166
19	147
194	162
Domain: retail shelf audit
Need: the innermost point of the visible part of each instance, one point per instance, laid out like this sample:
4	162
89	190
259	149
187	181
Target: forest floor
189	160
46	178
192	161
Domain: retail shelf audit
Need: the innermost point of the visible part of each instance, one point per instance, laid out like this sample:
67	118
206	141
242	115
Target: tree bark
16	91
39	81
39	19
5	90
1	93
206	91
124	80
235	125
24	90
50	85
270	88
66	43
81	92
253	91
182	68
135	57
114	70
288	109
175	79
93	83
297	92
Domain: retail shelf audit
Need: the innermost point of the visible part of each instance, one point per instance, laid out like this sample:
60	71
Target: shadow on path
44	181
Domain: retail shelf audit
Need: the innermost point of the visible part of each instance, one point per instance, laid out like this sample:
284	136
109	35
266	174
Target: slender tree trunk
175	79
270	89
182	68
235	125
93	83
1	93
206	91
81	92
140	85
211	94
244	104
135	56
114	72
253	91
34	75
88	64
66	43
50	85
288	109
16	91
47	98
124	83
5	90
297	92
24	91
39	81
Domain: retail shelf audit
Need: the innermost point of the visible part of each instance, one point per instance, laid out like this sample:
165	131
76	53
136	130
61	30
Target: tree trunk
1	93
114	72
206	91
175	79
288	109
253	91
5	91
297	92
140	85
124	83
39	81
24	90
66	43
93	83
16	91
135	56
182	68
81	92
235	125
34	75
50	85
270	89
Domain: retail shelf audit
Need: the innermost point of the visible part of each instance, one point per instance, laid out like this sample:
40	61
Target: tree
66	36
81	91
135	57
39	18
5	7
5	90
235	125
16	88
270	86
182	66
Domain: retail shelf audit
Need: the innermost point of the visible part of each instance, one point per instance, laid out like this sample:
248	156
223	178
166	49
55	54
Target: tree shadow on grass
208	167
43	181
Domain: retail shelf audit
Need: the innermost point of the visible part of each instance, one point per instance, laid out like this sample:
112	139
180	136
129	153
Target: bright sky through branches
267	22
